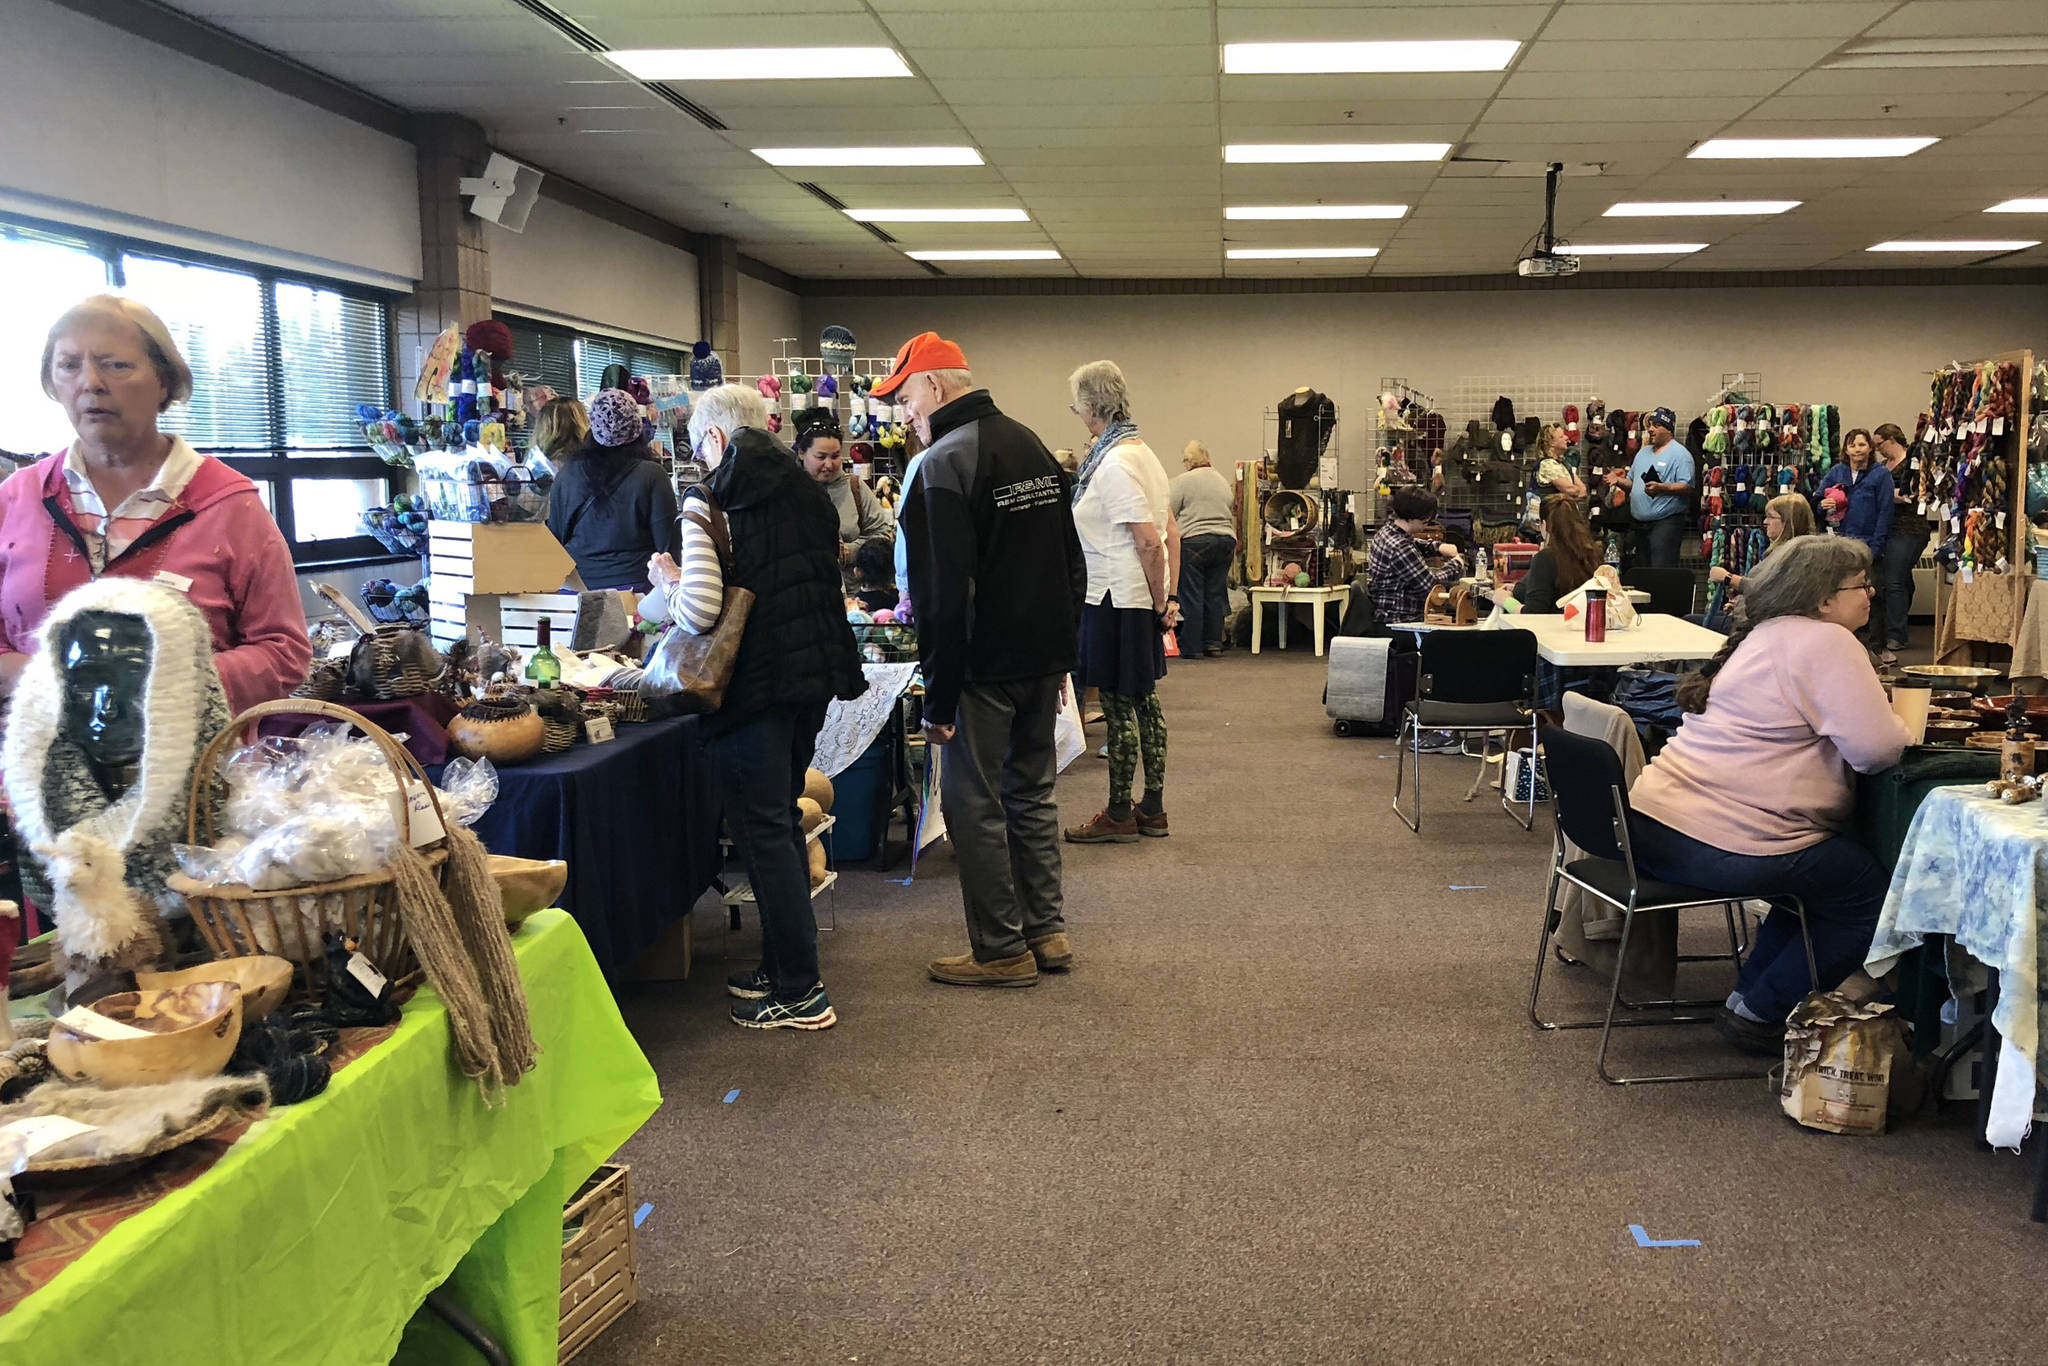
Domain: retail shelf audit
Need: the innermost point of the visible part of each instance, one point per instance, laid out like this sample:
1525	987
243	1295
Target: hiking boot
750	986
813	1012
1751	1036
963	971
1155	826
1101	829
1053	952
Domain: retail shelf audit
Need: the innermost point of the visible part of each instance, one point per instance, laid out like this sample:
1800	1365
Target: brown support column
718	293
455	263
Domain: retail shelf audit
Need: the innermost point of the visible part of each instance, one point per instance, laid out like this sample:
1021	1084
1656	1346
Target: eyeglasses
1865	587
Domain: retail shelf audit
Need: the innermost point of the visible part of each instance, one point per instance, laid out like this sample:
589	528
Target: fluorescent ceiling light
2020	206
1699	208
1396	56
1297	253
938	215
1024	255
1975	248
1943	52
1633	249
760	63
1767	149
869	156
1274	212
1280	152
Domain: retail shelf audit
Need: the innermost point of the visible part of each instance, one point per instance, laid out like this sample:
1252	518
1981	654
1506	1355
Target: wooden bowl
1952	697
528	885
188	1031
1949	732
1968	677
1986	739
263	978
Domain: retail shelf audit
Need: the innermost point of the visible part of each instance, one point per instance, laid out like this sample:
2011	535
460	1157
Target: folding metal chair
1470	682
1590	796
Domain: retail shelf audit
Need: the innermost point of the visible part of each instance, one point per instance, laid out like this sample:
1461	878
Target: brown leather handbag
686	674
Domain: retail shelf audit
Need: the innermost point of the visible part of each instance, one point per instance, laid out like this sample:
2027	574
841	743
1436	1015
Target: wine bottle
543	670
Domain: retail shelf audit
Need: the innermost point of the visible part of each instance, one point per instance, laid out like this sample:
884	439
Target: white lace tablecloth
1977	869
850	727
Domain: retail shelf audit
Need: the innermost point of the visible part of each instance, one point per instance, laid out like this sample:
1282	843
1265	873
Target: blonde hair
171	370
1195	456
1794	513
561	426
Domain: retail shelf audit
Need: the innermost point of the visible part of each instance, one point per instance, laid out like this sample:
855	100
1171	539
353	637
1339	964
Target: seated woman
1568	557
1752	797
613	507
1787	516
129	499
1398	574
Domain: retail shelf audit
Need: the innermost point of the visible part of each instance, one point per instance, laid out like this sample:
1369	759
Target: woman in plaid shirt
1398	575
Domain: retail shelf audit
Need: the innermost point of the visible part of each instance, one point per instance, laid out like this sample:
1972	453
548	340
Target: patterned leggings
1136	724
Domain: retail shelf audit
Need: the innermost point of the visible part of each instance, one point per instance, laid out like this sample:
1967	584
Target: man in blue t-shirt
1659	484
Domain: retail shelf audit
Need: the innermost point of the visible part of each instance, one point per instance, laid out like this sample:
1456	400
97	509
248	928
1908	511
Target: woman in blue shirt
1869	486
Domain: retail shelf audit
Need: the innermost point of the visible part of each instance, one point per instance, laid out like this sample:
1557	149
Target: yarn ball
1291	570
857	616
1301	580
884	617
614	418
769	386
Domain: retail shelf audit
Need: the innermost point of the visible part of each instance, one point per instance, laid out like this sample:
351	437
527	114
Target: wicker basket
599	1278
239	921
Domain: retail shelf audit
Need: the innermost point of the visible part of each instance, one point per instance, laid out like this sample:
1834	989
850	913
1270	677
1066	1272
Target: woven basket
239	921
558	735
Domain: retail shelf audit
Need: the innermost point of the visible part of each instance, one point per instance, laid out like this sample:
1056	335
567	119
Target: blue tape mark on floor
640	1215
732	1095
1645	1240
1479	887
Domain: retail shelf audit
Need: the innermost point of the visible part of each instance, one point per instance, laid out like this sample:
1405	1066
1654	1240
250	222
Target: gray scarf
1123	429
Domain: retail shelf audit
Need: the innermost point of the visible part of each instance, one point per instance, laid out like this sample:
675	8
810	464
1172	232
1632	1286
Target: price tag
1742	488
1955	524
1998	426
38	1132
364	971
1923	507
1969	574
89	1022
2001	519
598	729
422	826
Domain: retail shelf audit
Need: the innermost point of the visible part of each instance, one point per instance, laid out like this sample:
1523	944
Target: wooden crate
599	1277
508	618
522	557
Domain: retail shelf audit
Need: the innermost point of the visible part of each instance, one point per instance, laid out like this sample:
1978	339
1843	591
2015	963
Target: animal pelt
135	1121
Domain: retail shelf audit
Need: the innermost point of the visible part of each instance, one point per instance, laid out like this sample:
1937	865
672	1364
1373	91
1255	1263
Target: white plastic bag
1621	613
1069	741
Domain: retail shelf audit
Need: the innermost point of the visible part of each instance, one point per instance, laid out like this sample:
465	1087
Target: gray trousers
996	786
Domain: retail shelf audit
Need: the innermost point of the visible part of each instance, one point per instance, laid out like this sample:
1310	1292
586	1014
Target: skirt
1122	649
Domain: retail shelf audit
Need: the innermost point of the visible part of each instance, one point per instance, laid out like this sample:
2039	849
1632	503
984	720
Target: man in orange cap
996	583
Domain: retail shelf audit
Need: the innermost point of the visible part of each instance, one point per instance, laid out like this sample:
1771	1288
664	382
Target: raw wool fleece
49	779
138	1121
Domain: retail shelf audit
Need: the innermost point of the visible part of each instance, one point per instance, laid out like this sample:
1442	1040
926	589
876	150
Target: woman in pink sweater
1754	794
129	500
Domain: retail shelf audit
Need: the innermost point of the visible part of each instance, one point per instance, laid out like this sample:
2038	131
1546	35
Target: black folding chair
1670	590
1590	796
1470	682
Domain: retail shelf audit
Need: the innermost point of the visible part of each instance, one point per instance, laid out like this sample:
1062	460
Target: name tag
170	580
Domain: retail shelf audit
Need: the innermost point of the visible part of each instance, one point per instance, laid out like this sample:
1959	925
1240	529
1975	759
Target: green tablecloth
317	1236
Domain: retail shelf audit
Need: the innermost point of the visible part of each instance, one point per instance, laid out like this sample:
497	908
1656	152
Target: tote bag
686	675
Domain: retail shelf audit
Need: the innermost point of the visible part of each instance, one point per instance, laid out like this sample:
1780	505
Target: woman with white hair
1753	797
130	500
1205	509
796	654
1123	512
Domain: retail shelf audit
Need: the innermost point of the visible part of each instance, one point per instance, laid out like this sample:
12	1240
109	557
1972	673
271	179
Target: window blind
546	356
331	349
217	317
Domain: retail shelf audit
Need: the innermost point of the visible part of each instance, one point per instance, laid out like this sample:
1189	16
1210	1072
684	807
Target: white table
1316	598
1564	642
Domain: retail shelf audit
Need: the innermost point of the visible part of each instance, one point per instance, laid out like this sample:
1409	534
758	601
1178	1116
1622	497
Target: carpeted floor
1286	1109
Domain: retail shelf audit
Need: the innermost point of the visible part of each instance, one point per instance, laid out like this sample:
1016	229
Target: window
279	364
573	363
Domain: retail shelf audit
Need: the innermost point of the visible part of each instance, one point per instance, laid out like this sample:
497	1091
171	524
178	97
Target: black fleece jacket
996	575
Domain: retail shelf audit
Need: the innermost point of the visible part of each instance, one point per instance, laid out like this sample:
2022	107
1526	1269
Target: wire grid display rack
1407	442
1537	395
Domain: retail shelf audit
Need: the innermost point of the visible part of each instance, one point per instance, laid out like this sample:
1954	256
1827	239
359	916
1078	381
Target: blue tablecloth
1977	869
637	820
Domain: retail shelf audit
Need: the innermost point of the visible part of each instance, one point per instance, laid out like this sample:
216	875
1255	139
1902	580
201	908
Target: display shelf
821	829
740	892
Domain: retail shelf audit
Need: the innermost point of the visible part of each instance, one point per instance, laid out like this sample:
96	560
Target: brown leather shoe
1155	826
1101	829
962	970
1053	952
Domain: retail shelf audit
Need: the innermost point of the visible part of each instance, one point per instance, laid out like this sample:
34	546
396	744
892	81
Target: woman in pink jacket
129	500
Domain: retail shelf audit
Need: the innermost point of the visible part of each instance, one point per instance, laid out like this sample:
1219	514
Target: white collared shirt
106	533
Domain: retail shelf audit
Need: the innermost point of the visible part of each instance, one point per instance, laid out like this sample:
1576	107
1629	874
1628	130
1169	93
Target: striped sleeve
696	598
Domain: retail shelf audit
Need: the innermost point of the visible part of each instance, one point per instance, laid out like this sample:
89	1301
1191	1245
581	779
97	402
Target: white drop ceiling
1105	120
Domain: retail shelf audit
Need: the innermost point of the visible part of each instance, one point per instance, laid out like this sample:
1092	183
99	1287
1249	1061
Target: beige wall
107	130
1206	366
765	314
578	268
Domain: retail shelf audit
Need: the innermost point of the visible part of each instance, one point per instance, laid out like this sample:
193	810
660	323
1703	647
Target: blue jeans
1204	590
1891	613
1841	885
1656	543
760	762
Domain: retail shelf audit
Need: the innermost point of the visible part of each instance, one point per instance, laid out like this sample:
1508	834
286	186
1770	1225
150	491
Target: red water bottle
1596	615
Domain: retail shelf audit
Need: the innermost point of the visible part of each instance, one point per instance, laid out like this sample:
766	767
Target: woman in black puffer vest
796	655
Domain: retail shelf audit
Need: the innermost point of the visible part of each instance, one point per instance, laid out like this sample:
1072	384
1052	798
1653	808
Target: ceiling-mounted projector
1546	258
504	193
1546	265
